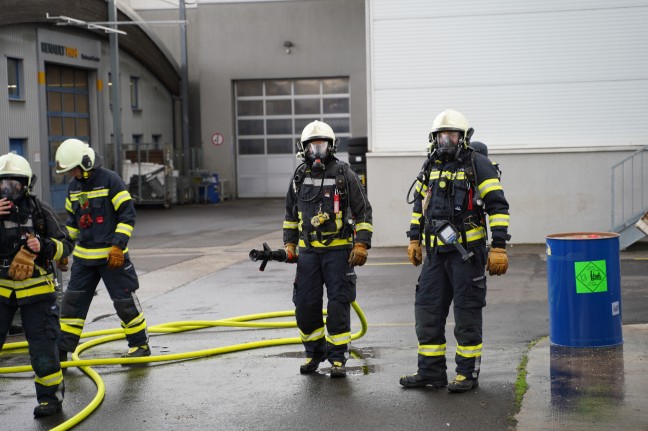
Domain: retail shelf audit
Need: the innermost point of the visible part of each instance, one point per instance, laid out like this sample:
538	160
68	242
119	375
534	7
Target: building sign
70	49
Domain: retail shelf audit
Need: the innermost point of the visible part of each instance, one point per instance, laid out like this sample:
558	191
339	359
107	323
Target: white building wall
551	87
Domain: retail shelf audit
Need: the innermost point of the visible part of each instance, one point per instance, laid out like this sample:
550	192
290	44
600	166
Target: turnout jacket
32	216
101	214
460	191
337	195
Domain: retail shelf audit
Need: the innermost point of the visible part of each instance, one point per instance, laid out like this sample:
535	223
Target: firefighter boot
418	381
138	352
310	366
48	408
338	370
462	383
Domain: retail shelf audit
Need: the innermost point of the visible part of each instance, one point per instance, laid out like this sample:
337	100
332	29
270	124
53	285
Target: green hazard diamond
591	277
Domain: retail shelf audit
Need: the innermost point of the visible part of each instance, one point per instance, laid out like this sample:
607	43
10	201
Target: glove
62	264
358	255
115	257
291	253
22	265
415	253
497	263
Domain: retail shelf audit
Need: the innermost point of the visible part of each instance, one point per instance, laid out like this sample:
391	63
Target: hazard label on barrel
591	277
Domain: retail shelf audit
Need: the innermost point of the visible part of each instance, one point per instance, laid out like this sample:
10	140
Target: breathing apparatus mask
317	153
12	188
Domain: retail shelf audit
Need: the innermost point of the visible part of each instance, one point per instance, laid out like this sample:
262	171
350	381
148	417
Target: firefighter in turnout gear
101	218
328	219
31	239
455	190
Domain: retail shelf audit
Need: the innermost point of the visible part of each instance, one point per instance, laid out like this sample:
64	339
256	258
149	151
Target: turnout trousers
40	321
446	280
314	271
121	284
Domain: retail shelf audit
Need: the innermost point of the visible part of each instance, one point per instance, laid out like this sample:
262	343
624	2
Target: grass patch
521	384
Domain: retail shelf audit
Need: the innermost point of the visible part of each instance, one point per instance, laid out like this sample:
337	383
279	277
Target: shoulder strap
39	218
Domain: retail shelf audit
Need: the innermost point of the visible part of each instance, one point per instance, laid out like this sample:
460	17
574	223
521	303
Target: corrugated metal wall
526	74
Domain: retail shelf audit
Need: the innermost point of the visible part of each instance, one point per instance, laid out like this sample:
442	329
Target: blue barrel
584	277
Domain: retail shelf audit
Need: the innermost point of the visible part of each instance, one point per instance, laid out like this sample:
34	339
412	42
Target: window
14	78
272	113
157	141
134	92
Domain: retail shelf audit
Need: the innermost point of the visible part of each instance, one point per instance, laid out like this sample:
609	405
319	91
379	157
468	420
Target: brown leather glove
22	265
415	253
497	261
358	255
62	264
115	257
291	253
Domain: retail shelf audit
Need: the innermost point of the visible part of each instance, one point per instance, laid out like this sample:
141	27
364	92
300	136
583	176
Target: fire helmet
317	131
72	153
458	137
15	176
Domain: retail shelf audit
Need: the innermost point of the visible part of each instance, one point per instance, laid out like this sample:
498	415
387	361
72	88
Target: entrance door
68	116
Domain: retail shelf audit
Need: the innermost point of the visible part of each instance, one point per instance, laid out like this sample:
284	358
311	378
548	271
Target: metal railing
629	189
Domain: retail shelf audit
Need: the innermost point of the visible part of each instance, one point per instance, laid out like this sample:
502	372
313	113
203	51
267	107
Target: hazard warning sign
591	277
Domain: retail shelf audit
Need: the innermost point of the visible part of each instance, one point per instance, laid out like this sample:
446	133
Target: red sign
217	138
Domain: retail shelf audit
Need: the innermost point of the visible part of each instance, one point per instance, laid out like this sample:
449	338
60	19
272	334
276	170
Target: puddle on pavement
357	364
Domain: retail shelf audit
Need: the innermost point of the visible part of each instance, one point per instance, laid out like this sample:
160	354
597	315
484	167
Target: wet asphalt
193	265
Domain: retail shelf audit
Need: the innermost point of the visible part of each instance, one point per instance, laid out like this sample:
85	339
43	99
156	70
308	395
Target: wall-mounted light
288	45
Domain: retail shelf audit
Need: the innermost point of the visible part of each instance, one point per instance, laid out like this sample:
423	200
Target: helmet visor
447	140
317	148
11	188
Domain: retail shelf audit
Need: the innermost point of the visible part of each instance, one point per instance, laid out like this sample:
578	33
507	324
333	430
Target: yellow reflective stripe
498	220
290	224
51	380
93	194
469	351
76	321
124	228
120	198
471	235
135	325
30	287
364	226
71	329
30	282
315	335
416	217
59	249
91	253
74	233
68	205
334	243
432	349
72	325
33	291
489	186
4	292
460	175
421	188
339	339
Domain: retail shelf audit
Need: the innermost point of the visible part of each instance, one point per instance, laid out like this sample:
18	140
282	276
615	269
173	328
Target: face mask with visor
11	188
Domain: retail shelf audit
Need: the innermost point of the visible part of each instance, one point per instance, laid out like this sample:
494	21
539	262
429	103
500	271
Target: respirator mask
317	153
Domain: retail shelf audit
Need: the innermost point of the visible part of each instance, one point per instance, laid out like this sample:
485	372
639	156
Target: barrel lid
583	235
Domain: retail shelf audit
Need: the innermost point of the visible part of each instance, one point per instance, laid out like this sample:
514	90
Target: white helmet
15	176
450	121
317	130
72	153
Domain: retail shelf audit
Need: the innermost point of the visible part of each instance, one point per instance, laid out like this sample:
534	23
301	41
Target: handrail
628	195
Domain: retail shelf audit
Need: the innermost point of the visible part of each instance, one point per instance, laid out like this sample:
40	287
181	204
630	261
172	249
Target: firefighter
31	238
328	219
456	188
100	218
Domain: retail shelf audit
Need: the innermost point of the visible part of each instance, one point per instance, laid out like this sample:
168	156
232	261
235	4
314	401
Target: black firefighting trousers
121	284
314	271
40	321
445	279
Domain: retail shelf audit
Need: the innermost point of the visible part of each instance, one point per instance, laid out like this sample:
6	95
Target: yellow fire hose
108	335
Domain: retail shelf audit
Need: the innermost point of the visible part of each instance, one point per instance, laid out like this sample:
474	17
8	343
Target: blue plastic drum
584	278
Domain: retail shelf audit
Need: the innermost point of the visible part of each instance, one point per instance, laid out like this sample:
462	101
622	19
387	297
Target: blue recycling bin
584	281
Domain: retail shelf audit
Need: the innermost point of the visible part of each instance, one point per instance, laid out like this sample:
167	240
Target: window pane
55	126
278	107
339	125
69	126
300	123
53	76
67	77
80	78
307	86
251	146
335	85
54	101
82	127
280	146
250	127
307	106
68	102
250	107
13	83
249	88
81	103
336	106
343	145
279	127
277	88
